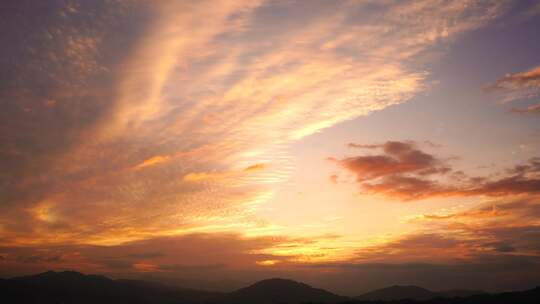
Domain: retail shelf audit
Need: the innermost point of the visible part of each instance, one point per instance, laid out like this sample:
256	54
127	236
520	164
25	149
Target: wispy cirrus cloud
128	121
521	85
127	126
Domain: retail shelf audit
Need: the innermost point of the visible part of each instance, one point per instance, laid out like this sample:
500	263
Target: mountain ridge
401	292
278	290
73	287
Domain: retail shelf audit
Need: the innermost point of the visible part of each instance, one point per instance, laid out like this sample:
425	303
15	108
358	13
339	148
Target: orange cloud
145	267
43	211
266	262
202	176
482	213
187	81
256	167
154	160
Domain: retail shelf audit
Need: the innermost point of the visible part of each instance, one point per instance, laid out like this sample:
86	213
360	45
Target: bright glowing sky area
351	145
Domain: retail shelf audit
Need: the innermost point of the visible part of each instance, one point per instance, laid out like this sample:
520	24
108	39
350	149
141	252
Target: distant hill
460	293
71	287
281	291
398	292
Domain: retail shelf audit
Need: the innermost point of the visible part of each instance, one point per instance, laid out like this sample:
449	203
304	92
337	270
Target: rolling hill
398	292
281	291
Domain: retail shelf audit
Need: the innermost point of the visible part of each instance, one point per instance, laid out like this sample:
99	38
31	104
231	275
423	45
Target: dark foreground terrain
73	287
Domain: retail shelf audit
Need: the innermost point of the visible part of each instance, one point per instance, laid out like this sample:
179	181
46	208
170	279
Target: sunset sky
350	145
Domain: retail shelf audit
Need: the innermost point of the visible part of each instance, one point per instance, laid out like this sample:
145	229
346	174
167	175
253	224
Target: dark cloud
525	239
531	167
408	188
420	247
500	247
521	179
507	186
526	208
38	259
398	158
404	172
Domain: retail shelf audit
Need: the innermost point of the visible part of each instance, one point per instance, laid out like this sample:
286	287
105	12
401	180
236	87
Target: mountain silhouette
69	287
75	287
460	293
398	292
281	291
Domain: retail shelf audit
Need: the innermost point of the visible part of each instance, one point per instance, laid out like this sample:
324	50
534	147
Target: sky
350	145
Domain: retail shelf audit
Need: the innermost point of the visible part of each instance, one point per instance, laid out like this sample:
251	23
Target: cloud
500	247
482	212
127	126
112	117
255	168
223	175
530	109
419	247
507	220
456	257
530	78
398	158
521	179
498	232
521	85
154	160
147	255
38	259
402	171
513	272
409	188
198	260
406	173
124	123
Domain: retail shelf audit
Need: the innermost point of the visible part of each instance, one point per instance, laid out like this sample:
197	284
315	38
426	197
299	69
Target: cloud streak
148	97
521	85
406	173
